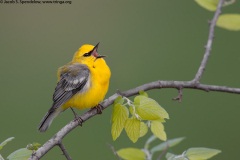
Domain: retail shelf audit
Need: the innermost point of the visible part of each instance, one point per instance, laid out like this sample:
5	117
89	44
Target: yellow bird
82	83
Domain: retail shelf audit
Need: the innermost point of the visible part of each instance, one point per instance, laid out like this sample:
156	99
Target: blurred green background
144	41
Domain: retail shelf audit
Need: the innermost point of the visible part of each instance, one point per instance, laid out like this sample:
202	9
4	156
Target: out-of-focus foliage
161	149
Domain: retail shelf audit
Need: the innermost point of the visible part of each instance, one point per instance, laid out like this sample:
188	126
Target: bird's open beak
95	53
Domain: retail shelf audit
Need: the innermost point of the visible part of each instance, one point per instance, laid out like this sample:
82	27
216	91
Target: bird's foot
77	118
99	108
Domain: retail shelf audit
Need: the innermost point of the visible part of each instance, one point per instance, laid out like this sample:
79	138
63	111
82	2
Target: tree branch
107	102
180	85
208	46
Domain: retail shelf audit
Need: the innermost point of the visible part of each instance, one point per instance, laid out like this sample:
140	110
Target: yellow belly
100	76
88	99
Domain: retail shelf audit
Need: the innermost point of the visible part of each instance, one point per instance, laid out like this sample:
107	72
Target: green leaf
20	154
229	21
131	154
119	112
34	146
143	129
157	129
132	128
119	117
201	153
210	5
149	109
167	144
142	93
131	109
119	100
5	142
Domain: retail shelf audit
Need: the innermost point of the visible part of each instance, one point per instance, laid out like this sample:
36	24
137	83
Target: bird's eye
87	54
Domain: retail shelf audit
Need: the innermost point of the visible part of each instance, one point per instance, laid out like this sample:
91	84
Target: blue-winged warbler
82	83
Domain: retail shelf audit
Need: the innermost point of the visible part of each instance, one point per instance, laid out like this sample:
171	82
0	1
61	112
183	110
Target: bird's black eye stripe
87	54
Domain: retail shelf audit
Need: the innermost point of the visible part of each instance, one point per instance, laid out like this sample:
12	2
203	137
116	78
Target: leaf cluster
147	153
137	116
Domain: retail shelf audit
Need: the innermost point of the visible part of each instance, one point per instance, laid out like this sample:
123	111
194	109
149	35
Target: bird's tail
47	119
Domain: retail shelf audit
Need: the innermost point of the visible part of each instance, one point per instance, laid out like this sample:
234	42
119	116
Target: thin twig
163	152
180	94
65	153
208	46
114	151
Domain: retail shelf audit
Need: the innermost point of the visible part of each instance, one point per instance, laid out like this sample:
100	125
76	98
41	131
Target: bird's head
87	54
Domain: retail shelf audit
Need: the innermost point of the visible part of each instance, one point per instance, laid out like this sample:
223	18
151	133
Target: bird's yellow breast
98	86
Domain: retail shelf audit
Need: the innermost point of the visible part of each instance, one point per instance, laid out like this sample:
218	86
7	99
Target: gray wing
73	79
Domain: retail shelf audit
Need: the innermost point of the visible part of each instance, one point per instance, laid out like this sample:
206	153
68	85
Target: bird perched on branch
82	83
